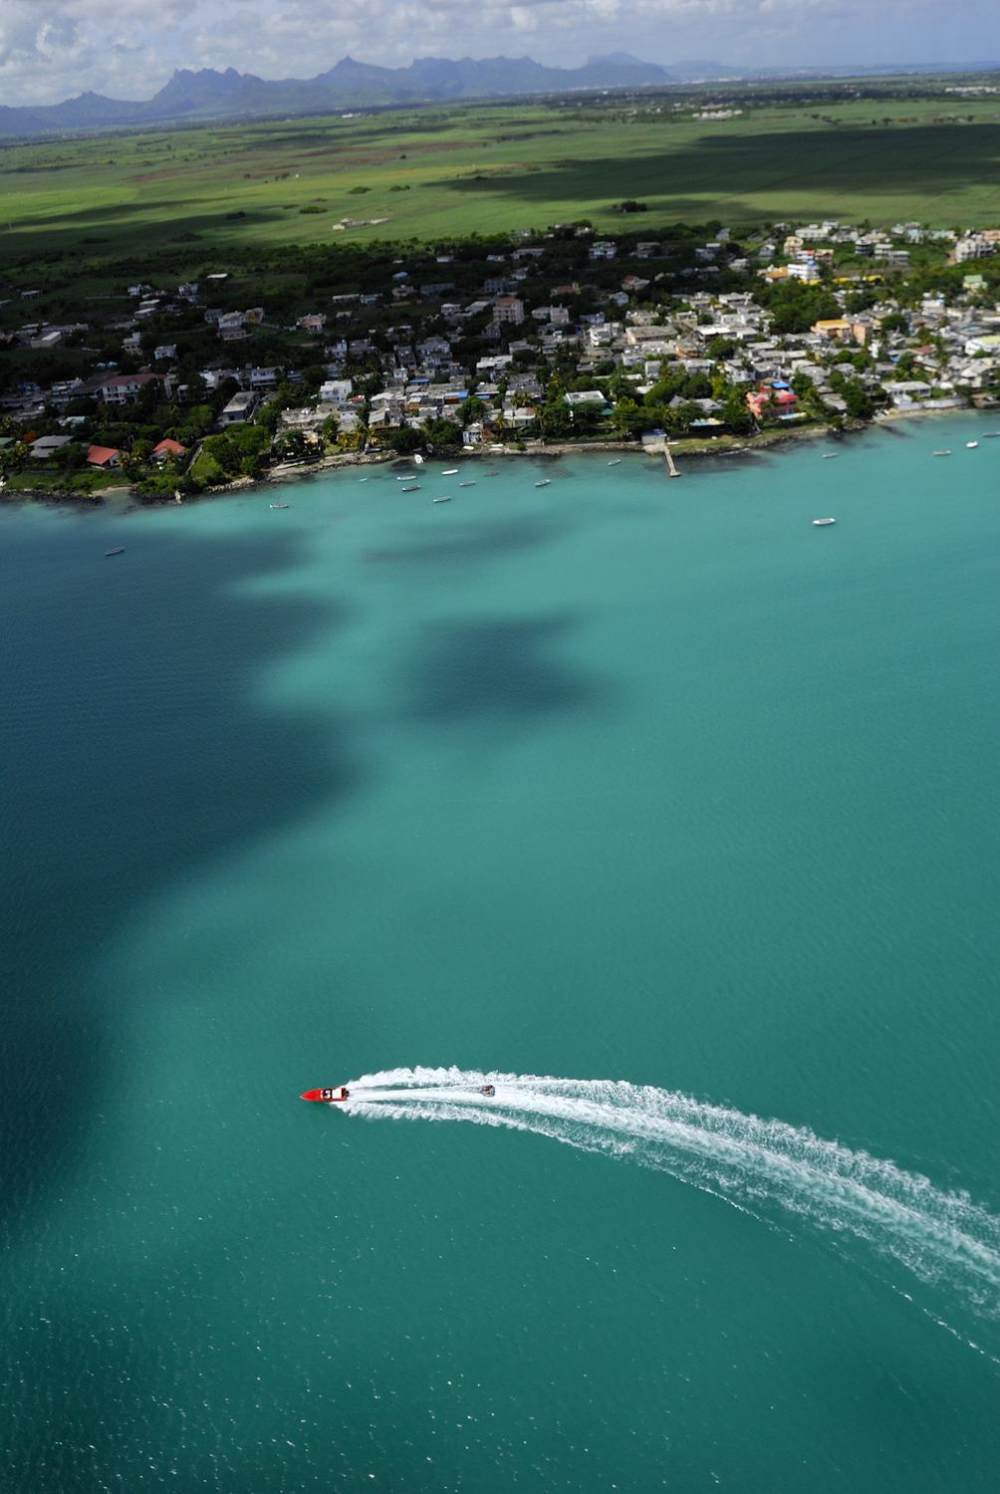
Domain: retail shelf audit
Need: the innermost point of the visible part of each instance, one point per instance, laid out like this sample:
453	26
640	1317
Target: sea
666	813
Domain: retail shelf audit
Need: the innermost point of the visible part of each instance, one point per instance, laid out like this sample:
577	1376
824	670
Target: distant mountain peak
202	94
619	59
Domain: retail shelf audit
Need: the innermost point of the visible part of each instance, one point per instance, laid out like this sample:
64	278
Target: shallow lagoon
621	777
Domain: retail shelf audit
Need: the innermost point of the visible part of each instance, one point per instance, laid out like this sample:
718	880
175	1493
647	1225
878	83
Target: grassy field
439	172
83	483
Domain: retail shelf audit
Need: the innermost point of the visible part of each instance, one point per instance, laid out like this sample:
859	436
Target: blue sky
52	49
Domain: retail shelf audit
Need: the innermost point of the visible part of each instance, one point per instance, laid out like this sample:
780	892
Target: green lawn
493	168
48	479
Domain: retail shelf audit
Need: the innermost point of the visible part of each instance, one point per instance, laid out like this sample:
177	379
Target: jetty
671	464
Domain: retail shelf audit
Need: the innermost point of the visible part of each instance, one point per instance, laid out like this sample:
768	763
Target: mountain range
212	95
208	94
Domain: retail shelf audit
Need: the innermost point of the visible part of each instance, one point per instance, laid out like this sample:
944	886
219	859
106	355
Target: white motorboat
544	482
944	452
615	462
822	523
450	472
469	484
971	445
445	499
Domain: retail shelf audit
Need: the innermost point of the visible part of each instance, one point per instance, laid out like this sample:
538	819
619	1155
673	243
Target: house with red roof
104	457
168	450
757	402
777	396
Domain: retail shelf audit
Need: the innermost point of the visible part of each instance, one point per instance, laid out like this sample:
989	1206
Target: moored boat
971	445
544	482
118	550
445	499
822	523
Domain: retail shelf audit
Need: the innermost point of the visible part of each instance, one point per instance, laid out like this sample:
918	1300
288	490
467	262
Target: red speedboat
326	1096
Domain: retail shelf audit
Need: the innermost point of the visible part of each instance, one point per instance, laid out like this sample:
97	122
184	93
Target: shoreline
688	448
708	446
684	448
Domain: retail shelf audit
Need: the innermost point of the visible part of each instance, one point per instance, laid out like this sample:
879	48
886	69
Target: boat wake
751	1163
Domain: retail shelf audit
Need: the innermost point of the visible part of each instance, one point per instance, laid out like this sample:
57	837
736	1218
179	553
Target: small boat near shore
279	505
615	462
823	523
469	484
118	550
946	451
412	487
830	456
544	482
971	445
450	472
445	499
990	435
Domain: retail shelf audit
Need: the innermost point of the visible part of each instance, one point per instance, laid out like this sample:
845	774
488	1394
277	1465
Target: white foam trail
749	1162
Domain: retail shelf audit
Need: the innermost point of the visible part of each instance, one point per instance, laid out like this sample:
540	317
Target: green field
435	173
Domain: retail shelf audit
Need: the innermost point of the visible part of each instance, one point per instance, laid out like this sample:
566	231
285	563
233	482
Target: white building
508	311
973	246
336	391
240	409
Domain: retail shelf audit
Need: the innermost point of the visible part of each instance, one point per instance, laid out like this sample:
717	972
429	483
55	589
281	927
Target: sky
55	49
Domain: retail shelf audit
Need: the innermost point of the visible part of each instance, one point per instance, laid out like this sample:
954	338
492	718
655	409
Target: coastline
687	449
700	448
544	451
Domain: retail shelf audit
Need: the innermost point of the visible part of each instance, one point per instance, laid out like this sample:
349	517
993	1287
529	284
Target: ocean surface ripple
750	1162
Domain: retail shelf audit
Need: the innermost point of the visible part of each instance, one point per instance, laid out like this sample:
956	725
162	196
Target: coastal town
701	340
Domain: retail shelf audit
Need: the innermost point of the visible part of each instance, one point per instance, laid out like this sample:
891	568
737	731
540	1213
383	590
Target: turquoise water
615	779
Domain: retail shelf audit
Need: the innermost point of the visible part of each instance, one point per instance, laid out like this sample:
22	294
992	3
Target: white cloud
51	49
